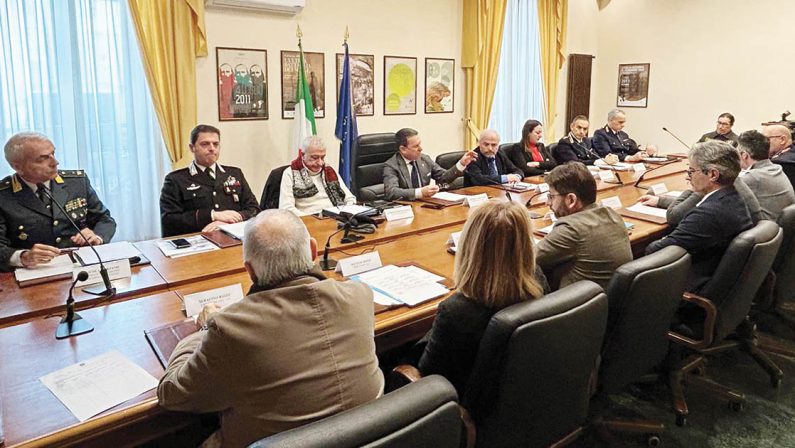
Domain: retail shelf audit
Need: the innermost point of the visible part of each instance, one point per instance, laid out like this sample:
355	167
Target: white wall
706	56
414	28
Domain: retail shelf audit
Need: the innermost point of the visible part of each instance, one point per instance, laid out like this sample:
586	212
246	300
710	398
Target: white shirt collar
33	186
706	196
195	168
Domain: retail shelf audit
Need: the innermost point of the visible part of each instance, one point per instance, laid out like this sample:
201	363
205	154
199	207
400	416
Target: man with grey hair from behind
299	347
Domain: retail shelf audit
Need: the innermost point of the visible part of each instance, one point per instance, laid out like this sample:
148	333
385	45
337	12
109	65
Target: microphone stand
677	138
73	324
529	203
327	264
109	291
499	184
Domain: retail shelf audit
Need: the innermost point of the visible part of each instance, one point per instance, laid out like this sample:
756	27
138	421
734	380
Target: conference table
153	296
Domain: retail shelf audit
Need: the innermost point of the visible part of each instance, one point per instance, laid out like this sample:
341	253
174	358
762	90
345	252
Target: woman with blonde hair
494	268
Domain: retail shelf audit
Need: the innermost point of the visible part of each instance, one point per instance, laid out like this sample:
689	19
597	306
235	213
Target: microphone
499	184
677	138
109	291
528	204
327	264
73	324
643	174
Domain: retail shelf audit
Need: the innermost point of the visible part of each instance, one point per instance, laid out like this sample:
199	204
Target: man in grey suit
588	241
766	179
408	174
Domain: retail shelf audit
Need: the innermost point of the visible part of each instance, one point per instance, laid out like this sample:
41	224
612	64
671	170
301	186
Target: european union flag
346	121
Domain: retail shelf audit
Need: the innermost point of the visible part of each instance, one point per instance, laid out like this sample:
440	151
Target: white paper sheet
646	210
524	186
108	252
353	209
236	229
198	244
620	166
547	229
674	193
97	384
61	264
447	196
408	285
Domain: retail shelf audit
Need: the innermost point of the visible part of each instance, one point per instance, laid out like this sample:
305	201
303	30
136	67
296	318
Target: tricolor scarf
303	187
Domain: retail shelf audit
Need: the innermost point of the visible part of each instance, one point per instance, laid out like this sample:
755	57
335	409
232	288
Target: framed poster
315	71
242	83
633	85
400	85
439	83
362	82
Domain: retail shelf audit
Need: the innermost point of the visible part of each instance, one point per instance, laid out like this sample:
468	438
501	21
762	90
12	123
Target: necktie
492	166
211	172
415	175
43	197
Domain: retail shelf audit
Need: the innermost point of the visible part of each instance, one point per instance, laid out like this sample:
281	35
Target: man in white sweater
309	185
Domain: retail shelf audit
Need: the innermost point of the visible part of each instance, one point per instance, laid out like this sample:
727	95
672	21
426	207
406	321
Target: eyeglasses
724	123
552	195
690	171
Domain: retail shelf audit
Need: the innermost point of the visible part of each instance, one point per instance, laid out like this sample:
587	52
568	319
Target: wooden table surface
32	416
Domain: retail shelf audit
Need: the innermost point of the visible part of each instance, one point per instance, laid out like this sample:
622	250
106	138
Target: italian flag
304	109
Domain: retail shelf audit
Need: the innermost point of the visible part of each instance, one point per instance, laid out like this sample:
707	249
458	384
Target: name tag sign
116	270
638	167
543	188
403	212
454	237
607	176
219	296
542	198
659	189
476	199
613	202
358	264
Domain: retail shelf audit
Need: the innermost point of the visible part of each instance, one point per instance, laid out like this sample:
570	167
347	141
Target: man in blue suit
706	230
491	166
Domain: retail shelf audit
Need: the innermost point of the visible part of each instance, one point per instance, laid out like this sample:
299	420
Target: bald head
489	142
779	136
277	247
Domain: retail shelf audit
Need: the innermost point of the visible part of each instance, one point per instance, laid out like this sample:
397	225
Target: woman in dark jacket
494	268
530	155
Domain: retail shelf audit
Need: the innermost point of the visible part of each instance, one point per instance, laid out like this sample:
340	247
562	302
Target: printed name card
402	212
219	296
638	167
454	237
659	189
613	202
476	199
543	187
116	270
607	176
358	264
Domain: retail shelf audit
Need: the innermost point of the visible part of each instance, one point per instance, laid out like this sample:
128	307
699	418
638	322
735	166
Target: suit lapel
60	193
28	199
404	171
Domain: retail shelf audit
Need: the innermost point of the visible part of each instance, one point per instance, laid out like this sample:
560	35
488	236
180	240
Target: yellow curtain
552	27
171	35
480	58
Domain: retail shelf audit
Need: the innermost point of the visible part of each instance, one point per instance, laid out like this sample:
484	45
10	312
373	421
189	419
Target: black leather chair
369	152
422	414
530	382
643	296
446	161
726	301
551	148
270	194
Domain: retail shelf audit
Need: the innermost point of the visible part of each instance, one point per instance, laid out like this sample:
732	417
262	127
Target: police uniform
731	137
26	220
569	149
190	195
606	141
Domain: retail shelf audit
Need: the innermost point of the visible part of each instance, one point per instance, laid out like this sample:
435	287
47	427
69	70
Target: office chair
270	194
446	161
369	152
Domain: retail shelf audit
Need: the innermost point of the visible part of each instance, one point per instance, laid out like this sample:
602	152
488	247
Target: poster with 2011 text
242	84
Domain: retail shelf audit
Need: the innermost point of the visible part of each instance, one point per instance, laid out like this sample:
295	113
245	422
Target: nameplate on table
543	188
659	189
541	199
613	202
116	270
358	264
607	176
638	167
476	199
454	237
219	296
402	212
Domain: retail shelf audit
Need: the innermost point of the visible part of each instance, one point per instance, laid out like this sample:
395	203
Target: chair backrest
643	296
446	161
551	147
424	413
740	273
270	194
369	152
784	266
529	383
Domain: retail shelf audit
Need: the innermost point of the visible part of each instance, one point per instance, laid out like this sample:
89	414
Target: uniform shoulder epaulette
72	173
5	184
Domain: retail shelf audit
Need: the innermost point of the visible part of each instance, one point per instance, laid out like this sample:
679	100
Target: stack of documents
447	196
523	186
409	285
198	244
353	209
646	210
108	252
235	230
59	265
620	166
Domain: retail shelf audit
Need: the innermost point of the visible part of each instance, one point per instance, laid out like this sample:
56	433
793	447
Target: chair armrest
469	427
709	323
401	376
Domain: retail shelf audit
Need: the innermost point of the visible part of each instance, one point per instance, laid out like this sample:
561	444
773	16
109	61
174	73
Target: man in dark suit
576	147
611	139
32	228
204	195
706	230
491	166
782	151
408	174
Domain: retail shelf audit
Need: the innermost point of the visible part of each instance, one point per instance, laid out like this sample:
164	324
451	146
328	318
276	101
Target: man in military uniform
205	195
723	132
575	147
611	139
32	228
